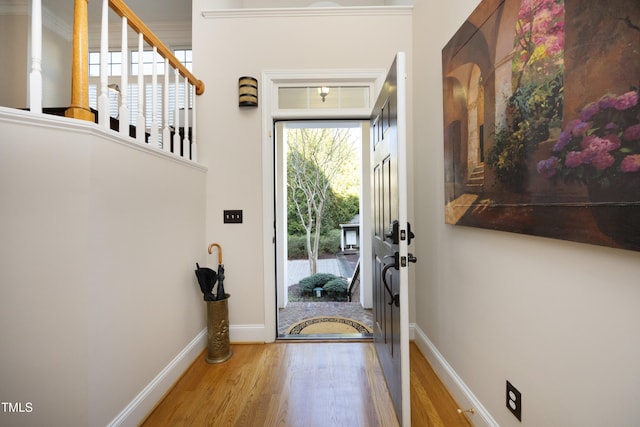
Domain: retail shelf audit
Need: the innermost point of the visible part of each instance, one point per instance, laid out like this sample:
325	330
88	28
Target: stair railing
160	135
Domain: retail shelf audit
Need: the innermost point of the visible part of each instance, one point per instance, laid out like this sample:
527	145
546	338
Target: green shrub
330	243
316	281
336	286
296	246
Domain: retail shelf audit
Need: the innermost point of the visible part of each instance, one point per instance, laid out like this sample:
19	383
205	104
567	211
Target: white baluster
176	116
123	112
140	120
153	139
35	77
194	144
166	133
186	145
103	98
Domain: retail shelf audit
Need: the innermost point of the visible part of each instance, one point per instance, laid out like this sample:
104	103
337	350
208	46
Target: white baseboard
146	400
458	389
247	333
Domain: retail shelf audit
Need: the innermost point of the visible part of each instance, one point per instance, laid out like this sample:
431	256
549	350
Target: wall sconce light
323	92
247	92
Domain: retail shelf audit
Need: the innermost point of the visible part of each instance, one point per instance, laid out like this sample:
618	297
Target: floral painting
542	120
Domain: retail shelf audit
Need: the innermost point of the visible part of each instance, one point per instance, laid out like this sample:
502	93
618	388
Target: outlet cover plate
514	401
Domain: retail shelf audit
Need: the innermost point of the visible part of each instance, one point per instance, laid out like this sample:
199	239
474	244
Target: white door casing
270	82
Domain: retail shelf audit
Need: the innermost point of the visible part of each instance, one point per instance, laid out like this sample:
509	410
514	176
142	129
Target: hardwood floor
301	384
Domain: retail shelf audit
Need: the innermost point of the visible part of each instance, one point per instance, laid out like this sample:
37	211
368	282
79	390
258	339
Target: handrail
119	7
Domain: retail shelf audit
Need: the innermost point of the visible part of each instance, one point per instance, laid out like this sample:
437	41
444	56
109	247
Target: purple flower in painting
573	159
607	101
547	168
580	129
563	140
602	161
611	126
569	126
626	101
603	142
631	163
631	133
589	111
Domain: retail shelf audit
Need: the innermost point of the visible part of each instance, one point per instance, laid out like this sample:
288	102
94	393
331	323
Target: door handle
397	262
395	298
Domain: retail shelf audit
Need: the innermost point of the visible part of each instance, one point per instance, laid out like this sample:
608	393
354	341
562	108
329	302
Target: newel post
79	108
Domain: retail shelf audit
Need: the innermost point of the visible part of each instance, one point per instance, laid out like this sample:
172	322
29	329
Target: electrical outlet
232	217
514	401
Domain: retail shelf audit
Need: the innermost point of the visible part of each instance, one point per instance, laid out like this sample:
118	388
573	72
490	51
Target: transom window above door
329	97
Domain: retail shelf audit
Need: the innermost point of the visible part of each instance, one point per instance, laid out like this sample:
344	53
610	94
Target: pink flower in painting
547	167
539	31
598	145
573	159
630	163
611	141
631	133
626	101
602	161
587	141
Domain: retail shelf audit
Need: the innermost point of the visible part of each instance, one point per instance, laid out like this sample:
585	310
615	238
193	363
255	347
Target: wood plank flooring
329	384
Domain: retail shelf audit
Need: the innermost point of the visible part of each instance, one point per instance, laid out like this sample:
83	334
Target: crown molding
307	12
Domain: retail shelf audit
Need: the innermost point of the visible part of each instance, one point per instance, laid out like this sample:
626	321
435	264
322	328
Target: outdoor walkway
297	311
342	265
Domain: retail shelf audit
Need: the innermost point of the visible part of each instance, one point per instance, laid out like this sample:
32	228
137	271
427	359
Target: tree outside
323	187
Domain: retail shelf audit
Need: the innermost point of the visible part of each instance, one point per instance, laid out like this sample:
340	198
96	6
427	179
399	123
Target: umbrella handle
219	251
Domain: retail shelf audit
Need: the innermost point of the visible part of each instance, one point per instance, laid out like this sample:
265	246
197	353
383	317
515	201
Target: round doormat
328	325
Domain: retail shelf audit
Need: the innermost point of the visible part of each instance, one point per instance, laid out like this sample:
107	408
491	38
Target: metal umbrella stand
219	348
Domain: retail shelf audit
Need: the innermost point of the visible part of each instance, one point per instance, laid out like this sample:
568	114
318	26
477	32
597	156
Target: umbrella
220	294
207	280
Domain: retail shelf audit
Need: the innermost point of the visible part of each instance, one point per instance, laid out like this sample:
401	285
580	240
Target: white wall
16	57
228	46
98	248
13	50
56	68
559	320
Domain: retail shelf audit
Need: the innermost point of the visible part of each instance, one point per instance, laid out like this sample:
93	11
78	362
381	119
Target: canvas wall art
542	120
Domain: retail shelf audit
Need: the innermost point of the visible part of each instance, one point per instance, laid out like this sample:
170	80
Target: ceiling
175	15
151	11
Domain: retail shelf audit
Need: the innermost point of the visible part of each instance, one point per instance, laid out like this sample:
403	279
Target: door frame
271	82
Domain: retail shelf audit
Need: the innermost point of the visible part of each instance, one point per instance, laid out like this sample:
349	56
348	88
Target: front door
391	236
